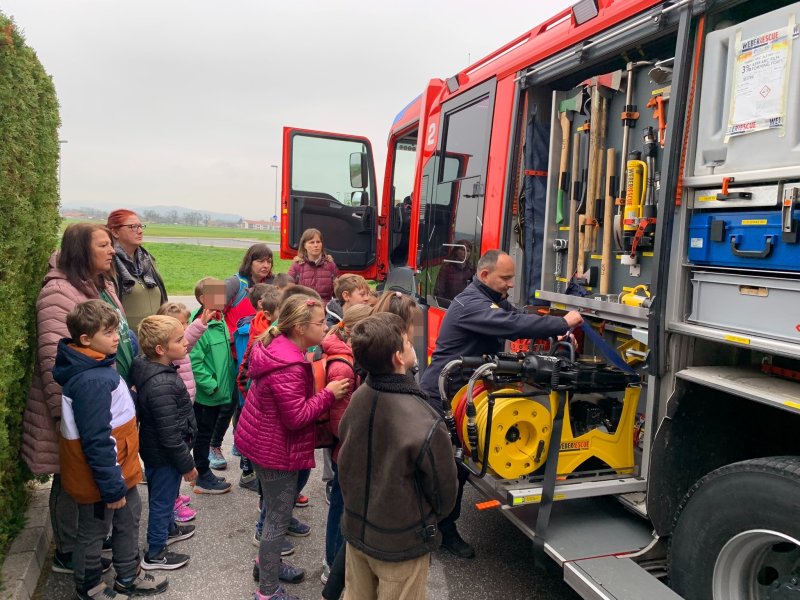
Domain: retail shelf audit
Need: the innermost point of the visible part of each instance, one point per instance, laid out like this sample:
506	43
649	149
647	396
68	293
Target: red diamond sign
765	91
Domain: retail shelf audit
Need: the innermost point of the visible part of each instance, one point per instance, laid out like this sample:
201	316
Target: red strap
533	173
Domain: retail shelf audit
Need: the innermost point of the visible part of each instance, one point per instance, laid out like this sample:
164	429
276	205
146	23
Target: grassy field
182	265
161	230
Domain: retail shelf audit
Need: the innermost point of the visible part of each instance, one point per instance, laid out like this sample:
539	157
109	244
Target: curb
29	550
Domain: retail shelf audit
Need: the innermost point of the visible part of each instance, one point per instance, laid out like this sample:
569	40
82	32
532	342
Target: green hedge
29	220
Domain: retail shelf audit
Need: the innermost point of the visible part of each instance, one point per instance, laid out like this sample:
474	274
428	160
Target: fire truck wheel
737	533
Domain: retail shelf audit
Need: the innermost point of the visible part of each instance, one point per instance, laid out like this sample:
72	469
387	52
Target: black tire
763	493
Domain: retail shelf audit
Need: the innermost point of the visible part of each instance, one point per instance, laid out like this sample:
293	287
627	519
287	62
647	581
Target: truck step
611	578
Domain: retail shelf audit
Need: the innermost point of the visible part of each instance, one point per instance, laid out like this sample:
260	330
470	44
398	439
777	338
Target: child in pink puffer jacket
192	333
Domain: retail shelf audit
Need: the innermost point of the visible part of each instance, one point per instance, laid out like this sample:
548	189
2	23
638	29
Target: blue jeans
163	484
302	480
333	532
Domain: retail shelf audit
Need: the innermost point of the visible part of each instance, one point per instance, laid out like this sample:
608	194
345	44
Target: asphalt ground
222	553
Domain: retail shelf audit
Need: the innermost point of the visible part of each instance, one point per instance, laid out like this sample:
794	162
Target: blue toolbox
746	239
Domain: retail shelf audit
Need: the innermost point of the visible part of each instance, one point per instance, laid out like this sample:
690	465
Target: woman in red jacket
313	267
276	429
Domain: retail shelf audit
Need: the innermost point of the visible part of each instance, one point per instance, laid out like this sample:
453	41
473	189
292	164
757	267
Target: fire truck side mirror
358	169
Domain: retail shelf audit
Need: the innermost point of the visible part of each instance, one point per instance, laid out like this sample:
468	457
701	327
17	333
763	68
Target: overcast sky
183	101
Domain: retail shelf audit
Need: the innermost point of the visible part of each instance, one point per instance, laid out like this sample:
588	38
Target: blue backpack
241	336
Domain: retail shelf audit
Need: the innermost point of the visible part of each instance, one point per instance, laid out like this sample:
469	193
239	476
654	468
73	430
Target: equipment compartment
762	306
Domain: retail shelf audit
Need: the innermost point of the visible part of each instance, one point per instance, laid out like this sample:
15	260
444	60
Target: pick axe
567	110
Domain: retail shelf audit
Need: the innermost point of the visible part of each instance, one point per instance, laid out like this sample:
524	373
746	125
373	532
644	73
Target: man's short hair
281	280
87	318
375	340
349	282
255	293
299	289
489	260
271	299
154	331
199	287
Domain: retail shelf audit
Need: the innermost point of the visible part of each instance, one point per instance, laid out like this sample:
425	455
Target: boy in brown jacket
396	469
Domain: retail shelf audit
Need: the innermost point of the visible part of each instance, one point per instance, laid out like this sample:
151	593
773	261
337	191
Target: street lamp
276	190
60	161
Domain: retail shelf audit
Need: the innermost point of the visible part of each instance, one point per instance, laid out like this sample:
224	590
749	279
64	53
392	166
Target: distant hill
103	210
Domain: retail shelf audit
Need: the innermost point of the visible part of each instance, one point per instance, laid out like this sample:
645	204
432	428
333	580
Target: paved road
222	554
218	242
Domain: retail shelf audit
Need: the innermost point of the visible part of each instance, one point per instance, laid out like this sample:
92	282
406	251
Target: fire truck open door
329	185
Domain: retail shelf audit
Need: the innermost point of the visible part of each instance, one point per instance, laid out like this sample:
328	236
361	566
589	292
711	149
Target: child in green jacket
214	374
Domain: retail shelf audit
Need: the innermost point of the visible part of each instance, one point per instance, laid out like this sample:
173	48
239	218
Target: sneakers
455	544
184	514
100	592
298	528
235	451
216	460
164	560
279	594
207	483
181	532
287	548
249	482
143	584
328	490
62	563
287	572
182	501
301	500
326	572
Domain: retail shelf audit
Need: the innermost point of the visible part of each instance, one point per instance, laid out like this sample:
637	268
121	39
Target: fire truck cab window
453	213
405	155
326	166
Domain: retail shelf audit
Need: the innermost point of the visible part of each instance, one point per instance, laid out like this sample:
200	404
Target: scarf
394	383
130	270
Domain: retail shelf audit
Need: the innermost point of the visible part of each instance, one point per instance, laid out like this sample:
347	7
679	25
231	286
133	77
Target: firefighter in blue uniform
478	322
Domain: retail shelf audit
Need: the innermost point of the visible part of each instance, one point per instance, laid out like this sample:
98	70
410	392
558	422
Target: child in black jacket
166	429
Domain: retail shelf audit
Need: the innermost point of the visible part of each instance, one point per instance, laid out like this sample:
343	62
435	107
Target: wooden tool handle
573	208
608	216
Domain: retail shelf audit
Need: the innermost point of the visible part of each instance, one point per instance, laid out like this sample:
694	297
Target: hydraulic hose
446	404
472	429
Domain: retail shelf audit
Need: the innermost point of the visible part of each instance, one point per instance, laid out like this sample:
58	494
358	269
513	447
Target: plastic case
746	240
762	306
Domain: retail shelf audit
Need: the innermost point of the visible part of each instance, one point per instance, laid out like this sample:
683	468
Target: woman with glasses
139	285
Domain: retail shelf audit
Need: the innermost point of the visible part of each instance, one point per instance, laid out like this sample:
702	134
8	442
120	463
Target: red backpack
323	436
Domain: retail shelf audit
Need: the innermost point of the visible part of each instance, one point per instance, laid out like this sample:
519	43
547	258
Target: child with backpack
337	363
276	429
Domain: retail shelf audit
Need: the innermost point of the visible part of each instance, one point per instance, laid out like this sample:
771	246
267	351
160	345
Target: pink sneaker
184	514
182	501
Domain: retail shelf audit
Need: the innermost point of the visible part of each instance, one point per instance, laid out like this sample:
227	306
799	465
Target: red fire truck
640	160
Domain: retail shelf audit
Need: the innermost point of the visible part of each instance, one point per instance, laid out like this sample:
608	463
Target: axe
566	113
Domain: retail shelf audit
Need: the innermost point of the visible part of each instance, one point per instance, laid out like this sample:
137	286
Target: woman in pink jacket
82	270
276	428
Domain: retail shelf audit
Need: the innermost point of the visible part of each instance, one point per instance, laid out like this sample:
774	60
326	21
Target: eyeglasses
138	227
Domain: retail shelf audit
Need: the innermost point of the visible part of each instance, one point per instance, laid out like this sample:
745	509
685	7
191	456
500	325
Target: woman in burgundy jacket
313	267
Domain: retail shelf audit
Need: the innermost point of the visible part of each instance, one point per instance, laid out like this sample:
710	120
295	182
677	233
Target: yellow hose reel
521	430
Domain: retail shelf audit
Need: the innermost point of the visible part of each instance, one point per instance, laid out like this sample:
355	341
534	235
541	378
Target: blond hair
294	311
155	331
349	282
173	309
352	317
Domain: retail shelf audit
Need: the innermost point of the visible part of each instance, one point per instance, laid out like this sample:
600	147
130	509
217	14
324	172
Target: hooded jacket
193	332
333	312
318	276
99	442
39	434
338	370
478	322
276	427
167	424
396	470
212	365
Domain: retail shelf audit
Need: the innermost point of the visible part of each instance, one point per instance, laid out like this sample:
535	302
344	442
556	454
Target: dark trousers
163	484
206	417
302	480
280	491
448	525
223	422
333	531
335	586
94	521
63	517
